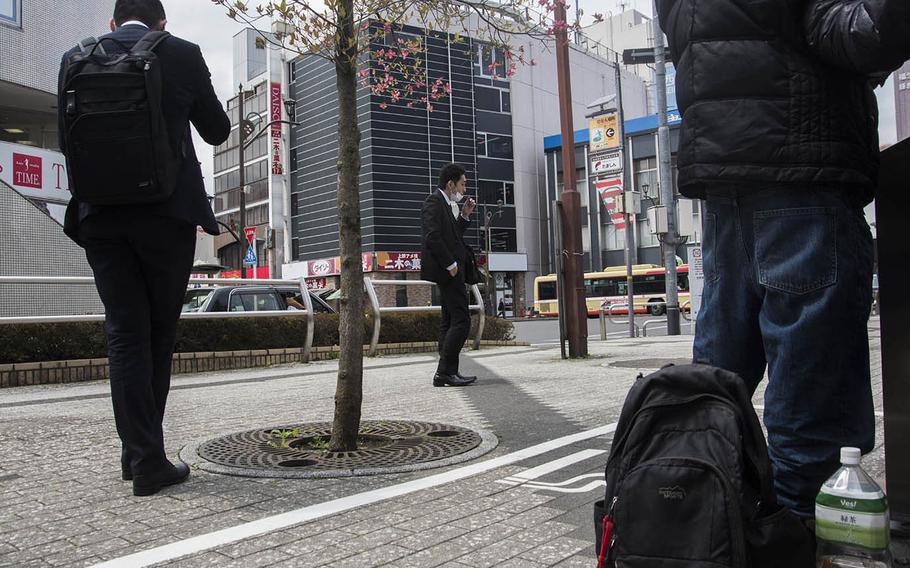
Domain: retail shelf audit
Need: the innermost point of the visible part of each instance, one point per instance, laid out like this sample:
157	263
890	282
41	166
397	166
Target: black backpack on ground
114	134
689	482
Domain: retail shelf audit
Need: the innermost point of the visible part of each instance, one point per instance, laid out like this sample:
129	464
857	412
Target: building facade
261	72
492	124
34	188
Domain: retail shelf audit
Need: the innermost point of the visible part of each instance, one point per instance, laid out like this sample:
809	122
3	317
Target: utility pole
575	303
240	137
667	197
627	187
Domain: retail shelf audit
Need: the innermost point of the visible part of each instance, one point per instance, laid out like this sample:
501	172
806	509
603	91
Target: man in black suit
444	260
141	255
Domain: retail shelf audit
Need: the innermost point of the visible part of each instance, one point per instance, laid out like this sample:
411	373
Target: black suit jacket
187	96
443	240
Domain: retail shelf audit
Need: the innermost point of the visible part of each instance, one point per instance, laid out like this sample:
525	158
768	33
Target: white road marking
562	483
555	465
267	525
583	489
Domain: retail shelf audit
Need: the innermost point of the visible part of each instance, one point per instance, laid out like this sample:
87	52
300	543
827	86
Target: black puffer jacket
781	91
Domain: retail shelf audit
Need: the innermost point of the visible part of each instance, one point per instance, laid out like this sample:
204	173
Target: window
600	287
499	146
503	240
645	238
613	238
254	302
494	145
506	101
646	179
546	291
295	248
649	284
11	13
492	61
293	158
295	207
487	99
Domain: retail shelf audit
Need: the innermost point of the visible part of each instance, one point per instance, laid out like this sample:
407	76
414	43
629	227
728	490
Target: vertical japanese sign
275	103
610	191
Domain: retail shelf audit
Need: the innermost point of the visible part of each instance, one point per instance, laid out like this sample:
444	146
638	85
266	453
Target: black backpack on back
689	481
114	134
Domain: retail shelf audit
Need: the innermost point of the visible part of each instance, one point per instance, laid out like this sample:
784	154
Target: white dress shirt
133	23
454	207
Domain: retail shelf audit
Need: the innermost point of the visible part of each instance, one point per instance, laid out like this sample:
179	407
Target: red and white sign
34	172
316	283
250	233
275	114
332	266
398	261
262	273
610	191
27	170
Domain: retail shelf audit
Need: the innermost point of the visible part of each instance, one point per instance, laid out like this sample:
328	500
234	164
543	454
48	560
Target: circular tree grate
299	450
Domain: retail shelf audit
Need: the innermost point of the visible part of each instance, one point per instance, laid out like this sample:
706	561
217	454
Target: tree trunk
349	389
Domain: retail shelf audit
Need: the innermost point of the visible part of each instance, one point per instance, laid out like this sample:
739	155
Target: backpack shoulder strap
150	41
89	44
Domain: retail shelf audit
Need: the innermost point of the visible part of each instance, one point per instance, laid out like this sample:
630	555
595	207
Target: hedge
27	343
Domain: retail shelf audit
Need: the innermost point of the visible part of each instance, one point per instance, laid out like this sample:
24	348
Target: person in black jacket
141	256
444	261
780	137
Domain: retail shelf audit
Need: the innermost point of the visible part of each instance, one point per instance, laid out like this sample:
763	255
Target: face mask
459	197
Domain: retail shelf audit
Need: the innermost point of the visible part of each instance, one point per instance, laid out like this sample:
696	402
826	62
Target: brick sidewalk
62	503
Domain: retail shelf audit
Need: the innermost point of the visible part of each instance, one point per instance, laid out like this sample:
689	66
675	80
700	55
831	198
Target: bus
609	287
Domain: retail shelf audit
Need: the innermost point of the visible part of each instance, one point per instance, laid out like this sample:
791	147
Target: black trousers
455	325
141	265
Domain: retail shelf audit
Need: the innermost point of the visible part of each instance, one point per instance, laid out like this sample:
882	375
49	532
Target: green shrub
25	343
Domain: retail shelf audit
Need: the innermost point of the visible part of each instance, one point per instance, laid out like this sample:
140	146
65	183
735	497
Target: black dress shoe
149	484
468	378
440	380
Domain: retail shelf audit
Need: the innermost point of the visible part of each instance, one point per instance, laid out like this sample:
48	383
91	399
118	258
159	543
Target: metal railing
88	280
682	311
640	329
606	313
378	310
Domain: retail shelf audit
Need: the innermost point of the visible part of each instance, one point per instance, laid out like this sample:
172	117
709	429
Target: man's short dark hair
149	12
450	172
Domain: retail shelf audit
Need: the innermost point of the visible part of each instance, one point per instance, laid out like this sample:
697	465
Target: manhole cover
299	450
649	363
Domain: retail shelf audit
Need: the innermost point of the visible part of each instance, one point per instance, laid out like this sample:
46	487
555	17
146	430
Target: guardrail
640	329
378	310
605	313
88	280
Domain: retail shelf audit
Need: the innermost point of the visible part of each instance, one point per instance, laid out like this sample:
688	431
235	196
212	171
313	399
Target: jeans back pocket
796	249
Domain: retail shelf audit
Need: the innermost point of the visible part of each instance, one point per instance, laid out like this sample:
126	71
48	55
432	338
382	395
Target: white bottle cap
850	456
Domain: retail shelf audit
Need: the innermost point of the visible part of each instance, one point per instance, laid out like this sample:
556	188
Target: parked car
249	299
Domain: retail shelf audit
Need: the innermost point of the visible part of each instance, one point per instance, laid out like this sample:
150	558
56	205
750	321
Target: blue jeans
788	285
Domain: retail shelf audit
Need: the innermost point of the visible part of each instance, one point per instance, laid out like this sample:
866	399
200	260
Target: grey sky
206	24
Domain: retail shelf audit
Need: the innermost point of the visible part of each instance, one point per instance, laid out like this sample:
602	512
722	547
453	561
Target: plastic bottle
852	525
